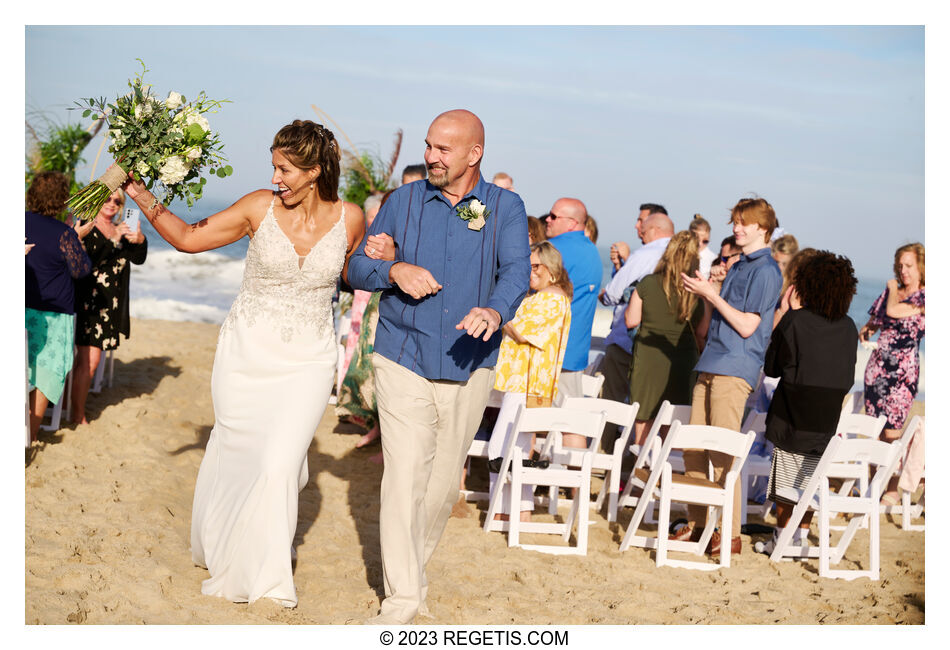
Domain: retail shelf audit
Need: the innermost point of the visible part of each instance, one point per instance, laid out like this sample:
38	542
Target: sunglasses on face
550	216
116	201
725	258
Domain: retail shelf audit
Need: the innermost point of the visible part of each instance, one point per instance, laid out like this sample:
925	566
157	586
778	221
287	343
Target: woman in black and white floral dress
102	298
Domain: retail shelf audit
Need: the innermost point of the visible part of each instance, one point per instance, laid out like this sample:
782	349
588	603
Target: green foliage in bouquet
167	143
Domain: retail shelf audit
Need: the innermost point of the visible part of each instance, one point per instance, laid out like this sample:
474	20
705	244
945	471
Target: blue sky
827	123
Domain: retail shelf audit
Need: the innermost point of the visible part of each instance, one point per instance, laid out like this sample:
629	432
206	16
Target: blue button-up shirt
476	268
584	268
753	284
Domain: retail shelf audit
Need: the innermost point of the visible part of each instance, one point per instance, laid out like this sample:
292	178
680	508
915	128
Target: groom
454	282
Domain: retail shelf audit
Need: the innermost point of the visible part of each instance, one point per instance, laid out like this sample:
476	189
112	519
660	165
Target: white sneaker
765	547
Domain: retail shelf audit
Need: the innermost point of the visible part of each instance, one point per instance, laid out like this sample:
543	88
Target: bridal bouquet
167	143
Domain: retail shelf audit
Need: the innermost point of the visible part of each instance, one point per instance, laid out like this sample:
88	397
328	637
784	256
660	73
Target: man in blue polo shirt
740	325
460	271
564	226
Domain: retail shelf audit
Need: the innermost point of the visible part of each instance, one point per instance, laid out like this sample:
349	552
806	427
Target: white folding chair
665	416
857	425
817	495
757	465
853	402
591	385
514	474
698	491
906	509
106	358
623	415
479	449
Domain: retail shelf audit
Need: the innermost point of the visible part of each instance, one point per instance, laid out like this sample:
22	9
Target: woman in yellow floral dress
531	354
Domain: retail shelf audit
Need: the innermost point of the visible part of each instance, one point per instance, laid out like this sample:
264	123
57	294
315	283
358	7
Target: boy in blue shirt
739	318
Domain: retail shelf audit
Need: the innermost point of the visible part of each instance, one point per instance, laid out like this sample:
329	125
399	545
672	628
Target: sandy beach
108	513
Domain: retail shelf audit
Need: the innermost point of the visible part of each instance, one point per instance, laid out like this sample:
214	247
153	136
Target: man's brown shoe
716	542
687	534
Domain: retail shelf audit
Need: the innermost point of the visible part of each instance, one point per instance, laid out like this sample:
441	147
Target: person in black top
55	259
813	351
102	299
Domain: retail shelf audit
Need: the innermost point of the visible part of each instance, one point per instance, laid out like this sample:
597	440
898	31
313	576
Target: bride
275	361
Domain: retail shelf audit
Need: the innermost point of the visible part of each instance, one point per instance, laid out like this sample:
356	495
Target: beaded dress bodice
290	292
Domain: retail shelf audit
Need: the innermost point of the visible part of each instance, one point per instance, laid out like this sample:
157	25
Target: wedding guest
102	298
893	370
530	358
536	230
565	230
56	260
503	180
413	173
701	230
812	351
784	248
740	323
668	339
590	229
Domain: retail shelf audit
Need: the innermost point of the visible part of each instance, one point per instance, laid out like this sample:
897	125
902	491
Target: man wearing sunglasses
564	226
655	231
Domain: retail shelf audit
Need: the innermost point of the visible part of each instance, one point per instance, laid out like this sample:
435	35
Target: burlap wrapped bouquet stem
113	178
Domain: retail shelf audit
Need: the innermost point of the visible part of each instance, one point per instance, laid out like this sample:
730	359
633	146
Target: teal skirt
50	350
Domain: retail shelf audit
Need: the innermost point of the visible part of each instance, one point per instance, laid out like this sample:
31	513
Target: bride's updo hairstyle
309	145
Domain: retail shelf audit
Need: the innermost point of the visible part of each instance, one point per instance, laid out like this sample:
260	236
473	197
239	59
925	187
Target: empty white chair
514	474
479	449
817	495
591	385
857	425
700	491
665	416
912	441
623	415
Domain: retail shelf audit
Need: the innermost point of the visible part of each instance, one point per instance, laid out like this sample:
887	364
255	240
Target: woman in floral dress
102	298
892	373
531	354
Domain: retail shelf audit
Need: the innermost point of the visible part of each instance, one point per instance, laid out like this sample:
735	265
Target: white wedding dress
272	375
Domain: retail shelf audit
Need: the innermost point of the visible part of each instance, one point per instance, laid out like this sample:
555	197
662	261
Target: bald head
656	226
454	146
463	122
566	215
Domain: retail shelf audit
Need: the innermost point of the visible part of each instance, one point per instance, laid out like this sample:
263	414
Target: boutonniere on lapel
474	212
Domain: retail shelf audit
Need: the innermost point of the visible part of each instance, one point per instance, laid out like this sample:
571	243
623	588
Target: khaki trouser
427	427
718	400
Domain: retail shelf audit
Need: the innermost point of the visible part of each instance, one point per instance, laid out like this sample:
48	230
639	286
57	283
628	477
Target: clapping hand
480	322
699	285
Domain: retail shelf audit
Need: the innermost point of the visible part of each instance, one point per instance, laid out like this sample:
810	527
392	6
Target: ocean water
201	287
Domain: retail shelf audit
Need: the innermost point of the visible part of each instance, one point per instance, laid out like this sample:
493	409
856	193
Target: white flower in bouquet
173	170
142	168
194	117
194	153
173	101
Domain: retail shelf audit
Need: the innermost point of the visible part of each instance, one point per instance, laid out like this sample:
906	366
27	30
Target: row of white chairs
657	476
